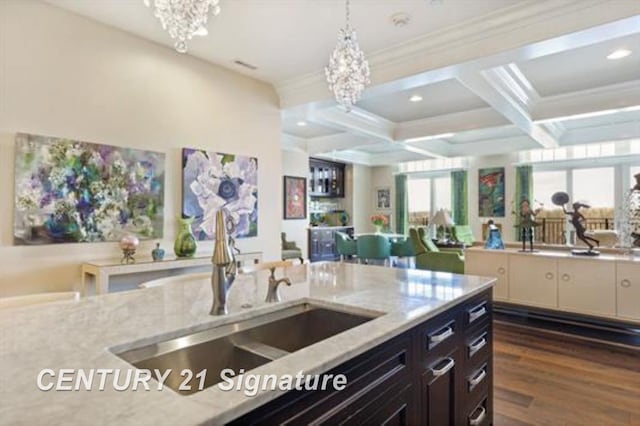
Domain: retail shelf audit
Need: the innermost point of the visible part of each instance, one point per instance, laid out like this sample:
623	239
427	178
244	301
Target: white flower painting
211	181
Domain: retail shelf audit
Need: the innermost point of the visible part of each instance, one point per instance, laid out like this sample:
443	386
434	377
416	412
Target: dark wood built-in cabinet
326	178
322	242
438	373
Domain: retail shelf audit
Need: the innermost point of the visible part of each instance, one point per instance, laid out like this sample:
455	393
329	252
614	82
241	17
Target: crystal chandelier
348	70
184	18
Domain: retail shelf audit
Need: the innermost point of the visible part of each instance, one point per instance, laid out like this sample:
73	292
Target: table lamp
442	219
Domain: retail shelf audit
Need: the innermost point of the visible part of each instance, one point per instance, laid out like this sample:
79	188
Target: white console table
103	270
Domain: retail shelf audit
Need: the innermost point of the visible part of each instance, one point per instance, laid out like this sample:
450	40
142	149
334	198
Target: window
594	187
547	183
426	197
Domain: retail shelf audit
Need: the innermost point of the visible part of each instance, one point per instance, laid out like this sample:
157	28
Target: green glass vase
185	244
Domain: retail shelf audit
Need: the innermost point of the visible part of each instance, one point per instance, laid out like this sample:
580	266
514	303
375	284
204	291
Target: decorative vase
185	244
378	229
157	254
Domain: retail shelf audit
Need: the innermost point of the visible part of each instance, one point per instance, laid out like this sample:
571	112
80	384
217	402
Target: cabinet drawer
479	415
476	313
440	335
477	345
476	382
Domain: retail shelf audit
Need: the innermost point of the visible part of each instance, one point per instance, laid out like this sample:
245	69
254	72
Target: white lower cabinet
628	290
587	286
533	280
606	286
490	265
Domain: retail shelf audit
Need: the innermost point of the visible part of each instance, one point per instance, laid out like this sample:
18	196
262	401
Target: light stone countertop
78	335
605	255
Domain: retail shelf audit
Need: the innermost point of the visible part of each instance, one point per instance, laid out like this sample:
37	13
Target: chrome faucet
224	264
273	294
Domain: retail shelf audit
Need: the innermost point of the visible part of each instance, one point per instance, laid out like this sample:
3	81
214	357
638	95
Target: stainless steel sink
242	345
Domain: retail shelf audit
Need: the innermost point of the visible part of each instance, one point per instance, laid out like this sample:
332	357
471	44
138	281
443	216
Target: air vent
246	65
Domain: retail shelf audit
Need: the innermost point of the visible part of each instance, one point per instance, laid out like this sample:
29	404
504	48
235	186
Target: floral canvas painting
71	191
212	181
491	192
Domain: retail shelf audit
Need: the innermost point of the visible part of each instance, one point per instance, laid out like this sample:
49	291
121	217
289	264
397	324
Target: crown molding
480	37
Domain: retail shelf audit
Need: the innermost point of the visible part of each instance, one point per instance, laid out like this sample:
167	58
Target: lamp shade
442	218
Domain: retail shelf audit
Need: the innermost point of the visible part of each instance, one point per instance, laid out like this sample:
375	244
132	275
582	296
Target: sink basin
241	345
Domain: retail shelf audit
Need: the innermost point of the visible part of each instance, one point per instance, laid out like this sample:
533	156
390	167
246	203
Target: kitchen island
438	317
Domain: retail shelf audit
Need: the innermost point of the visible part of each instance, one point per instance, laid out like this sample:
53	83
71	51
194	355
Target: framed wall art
383	198
69	191
212	181
295	197
491	193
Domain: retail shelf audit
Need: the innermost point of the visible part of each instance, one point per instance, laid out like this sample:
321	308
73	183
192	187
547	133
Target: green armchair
429	257
463	234
375	247
289	249
402	248
345	245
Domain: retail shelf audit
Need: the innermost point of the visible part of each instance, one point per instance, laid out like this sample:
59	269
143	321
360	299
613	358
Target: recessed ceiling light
301	123
415	98
619	54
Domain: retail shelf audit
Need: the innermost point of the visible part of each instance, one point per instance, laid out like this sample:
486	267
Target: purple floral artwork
70	191
212	181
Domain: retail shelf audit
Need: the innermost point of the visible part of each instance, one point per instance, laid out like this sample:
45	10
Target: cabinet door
587	286
490	265
439	391
533	280
628	290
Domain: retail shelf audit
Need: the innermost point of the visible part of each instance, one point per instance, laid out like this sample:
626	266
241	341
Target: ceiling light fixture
618	54
301	123
348	70
415	98
184	19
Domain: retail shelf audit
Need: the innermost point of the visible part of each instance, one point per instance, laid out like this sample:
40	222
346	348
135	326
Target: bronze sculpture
527	223
577	220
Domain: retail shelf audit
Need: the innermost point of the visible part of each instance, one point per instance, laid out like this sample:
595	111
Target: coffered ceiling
494	76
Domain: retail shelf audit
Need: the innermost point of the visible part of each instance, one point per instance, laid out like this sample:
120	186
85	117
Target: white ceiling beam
604	98
492	87
337	142
358	121
602	133
449	123
352	157
293	143
493	146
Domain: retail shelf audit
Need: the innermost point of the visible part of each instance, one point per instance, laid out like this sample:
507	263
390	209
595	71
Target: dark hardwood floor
548	379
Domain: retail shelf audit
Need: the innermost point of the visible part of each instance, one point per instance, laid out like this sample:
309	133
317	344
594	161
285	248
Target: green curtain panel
524	189
460	197
402	204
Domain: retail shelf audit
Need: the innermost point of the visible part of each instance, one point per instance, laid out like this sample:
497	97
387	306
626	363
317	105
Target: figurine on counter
577	220
527	223
494	242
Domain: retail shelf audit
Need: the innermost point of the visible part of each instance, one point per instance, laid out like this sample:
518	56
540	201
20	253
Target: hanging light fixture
348	70
184	18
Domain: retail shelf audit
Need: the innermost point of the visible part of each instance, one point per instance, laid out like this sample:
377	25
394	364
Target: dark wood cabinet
438	373
326	178
322	242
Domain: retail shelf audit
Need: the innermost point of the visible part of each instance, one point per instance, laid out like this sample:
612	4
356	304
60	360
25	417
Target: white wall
296	163
362	199
64	75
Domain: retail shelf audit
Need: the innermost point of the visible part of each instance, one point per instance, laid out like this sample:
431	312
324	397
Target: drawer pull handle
477	312
501	270
477	345
480	375
549	276
448	366
479	418
625	283
437	338
565	277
